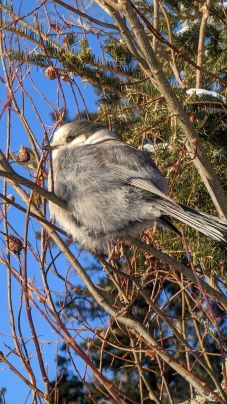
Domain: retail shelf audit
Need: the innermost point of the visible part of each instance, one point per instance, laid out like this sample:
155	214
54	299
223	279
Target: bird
112	190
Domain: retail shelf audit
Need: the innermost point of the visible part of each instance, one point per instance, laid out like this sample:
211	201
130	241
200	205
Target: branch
152	395
202	34
160	312
7	172
87	17
179	336
37	217
64	248
14	370
173	63
182	269
174	48
150	64
126	320
156	20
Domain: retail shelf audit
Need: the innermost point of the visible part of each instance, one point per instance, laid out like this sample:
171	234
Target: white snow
184	28
150	147
201	91
224	4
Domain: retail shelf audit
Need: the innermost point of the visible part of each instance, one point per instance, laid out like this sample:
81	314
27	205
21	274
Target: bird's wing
133	167
207	224
133	178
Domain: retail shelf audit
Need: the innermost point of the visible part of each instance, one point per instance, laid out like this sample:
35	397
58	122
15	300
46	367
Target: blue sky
17	392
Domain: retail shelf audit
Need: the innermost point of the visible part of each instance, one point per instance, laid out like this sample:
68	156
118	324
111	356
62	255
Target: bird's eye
69	138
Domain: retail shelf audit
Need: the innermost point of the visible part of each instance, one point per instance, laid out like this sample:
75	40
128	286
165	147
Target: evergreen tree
130	102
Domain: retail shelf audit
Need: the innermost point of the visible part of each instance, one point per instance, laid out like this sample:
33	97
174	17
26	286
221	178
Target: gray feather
111	190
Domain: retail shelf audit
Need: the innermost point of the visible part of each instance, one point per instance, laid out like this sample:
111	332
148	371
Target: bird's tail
207	224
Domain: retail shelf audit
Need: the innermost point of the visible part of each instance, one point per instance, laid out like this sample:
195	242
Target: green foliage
141	113
132	104
118	52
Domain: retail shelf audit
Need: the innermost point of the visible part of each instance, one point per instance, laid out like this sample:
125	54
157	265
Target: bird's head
80	133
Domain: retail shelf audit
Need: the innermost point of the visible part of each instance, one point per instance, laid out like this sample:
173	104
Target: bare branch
202	33
153	314
156	18
163	257
84	15
124	319
194	144
14	370
7	172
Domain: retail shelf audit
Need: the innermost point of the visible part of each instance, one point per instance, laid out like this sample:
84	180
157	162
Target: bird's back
86	179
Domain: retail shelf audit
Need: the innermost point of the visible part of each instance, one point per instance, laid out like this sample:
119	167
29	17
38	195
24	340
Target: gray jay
111	189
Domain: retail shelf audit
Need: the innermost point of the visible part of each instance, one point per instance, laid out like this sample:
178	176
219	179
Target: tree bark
141	48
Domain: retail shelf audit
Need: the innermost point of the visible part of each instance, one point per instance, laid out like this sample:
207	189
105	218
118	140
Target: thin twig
202	34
